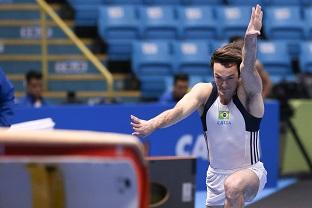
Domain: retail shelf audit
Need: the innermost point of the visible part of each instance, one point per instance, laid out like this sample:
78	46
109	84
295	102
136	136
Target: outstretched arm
251	81
188	104
249	74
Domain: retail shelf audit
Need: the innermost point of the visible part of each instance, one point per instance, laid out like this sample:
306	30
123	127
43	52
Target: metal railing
45	9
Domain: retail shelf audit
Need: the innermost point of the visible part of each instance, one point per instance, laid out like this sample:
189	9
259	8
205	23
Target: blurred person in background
179	89
266	81
6	100
71	98
34	91
231	110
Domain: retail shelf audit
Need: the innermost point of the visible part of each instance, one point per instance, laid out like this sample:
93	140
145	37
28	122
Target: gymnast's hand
255	22
141	128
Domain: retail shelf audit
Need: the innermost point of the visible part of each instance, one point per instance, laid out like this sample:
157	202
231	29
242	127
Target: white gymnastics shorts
215	182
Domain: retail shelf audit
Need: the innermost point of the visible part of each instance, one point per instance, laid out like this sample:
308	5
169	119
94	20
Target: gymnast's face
226	78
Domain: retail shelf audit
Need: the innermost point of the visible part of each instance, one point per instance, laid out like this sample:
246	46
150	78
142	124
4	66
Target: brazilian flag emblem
224	115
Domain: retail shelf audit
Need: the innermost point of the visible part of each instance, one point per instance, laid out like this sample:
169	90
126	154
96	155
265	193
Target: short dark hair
32	74
229	54
181	77
235	38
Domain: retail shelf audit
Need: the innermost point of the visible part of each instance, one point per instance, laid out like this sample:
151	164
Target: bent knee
233	189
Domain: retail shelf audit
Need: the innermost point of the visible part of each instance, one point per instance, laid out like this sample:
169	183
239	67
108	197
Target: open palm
141	128
255	22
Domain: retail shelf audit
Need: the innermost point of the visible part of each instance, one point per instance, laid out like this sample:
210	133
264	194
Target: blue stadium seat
119	22
274	55
284	2
152	58
193	80
284	23
308	22
197	22
86	12
306	3
152	64
202	2
158	22
233	20
152	87
162	2
192	58
119	26
305	58
86	15
215	44
118	2
244	2
73	3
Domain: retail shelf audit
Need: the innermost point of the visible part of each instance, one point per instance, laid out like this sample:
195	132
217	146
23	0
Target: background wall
293	161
